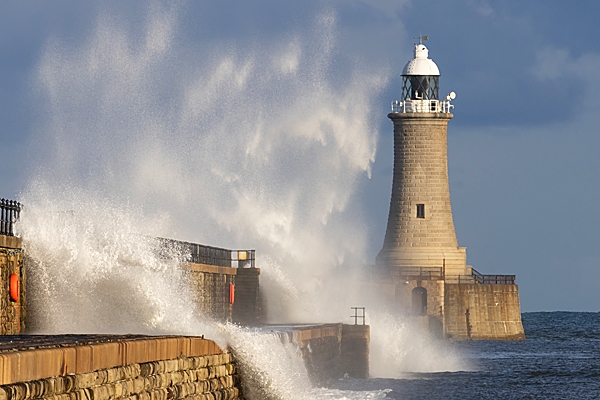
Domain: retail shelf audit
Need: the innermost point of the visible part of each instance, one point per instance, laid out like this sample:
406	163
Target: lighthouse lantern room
420	85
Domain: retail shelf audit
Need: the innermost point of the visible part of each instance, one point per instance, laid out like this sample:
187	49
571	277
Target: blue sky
523	143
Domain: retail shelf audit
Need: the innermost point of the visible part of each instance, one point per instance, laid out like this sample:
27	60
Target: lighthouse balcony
421	106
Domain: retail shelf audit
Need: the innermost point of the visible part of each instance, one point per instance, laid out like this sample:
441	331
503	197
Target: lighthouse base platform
456	311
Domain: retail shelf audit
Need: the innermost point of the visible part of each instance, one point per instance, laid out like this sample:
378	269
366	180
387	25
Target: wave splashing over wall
242	144
146	132
94	267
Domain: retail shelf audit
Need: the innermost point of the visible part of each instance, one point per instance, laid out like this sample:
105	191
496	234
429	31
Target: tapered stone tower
420	230
421	270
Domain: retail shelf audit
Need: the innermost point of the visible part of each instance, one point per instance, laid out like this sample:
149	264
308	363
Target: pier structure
225	287
420	257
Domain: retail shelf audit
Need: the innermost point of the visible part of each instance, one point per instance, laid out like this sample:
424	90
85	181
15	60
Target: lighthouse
421	270
420	229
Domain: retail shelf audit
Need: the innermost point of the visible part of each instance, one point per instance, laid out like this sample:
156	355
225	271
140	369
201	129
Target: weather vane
421	38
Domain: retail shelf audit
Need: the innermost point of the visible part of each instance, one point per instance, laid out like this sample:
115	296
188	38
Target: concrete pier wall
332	351
104	367
247	305
211	286
494	312
12	311
149	368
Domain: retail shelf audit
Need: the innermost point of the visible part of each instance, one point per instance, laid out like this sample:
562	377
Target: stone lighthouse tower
420	230
420	269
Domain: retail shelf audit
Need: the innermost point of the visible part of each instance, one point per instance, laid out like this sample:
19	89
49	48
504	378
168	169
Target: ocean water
559	360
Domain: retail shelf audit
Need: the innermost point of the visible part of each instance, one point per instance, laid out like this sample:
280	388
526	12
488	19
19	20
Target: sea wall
247	305
12	309
148	368
483	312
332	351
212	288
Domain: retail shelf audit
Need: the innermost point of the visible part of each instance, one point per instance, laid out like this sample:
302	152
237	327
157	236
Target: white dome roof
421	65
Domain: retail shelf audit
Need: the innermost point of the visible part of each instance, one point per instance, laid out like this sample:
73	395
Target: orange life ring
14	287
231	293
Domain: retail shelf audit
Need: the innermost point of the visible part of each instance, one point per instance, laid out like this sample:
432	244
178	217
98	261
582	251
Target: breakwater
103	367
330	351
116	367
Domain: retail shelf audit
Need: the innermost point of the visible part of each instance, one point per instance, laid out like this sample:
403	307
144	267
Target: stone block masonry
12	311
483	312
211	287
147	368
420	230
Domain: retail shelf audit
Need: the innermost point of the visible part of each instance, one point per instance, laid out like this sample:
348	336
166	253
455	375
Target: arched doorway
419	301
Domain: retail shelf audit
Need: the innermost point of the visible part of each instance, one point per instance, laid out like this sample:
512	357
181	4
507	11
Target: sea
559	360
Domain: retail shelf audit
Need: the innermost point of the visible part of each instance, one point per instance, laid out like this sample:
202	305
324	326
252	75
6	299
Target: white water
236	145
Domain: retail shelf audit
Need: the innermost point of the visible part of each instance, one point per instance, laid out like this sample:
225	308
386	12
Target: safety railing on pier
422	272
202	254
483	279
495	279
9	214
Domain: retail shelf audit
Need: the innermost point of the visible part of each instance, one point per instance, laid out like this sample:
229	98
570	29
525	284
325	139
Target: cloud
482	7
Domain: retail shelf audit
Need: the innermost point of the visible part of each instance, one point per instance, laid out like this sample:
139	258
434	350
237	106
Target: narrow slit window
420	210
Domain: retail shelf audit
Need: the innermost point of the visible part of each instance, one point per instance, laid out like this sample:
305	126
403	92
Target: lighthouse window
420	210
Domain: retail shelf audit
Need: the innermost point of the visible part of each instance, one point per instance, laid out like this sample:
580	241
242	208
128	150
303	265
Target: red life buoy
231	293
14	287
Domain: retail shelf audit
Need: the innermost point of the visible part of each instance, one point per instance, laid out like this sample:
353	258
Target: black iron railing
201	254
495	279
477	277
424	272
9	214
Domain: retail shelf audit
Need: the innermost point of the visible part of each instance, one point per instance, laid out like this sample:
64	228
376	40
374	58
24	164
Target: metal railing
424	272
209	255
479	278
358	315
460	279
9	214
494	279
421	106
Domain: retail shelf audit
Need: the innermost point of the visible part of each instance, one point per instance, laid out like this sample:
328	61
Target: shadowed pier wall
331	351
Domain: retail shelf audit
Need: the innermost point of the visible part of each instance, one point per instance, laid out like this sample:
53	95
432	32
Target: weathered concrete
144	368
494	312
355	350
332	351
11	242
247	304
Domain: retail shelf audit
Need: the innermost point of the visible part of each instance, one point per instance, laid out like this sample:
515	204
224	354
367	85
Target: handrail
217	256
493	279
9	214
479	278
421	106
430	272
